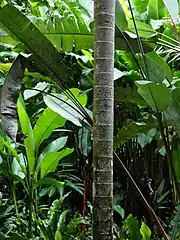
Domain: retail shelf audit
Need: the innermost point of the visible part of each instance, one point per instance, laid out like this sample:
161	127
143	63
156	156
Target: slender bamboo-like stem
103	119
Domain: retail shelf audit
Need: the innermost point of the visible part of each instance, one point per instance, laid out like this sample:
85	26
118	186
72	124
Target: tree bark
104	14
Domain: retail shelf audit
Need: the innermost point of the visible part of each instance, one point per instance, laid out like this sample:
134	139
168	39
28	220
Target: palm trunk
103	120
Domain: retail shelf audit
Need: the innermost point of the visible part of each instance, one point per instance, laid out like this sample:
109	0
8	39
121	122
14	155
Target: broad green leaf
120	17
119	74
17	167
144	30
144	139
61	33
54	146
50	161
119	210
129	132
157	68
155	94
45	125
140	5
132	226
46	57
156	10
172	113
65	107
28	133
58	235
129	94
48	181
173	9
176	158
145	232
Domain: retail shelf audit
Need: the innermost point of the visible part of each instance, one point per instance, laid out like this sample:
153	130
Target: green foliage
174	227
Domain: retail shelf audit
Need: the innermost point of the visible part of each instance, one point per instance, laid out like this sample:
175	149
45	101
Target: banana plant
33	167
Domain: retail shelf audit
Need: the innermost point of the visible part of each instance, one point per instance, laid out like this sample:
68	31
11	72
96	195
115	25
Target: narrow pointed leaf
28	133
48	181
46	124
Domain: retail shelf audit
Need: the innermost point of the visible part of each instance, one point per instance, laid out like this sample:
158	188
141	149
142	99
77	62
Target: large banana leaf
46	56
66	33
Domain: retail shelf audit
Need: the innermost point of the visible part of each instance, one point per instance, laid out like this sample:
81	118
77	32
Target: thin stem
172	174
158	223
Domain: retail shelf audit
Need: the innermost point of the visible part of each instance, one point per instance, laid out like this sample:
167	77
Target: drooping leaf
50	161
155	94
67	110
9	96
28	133
119	74
46	124
173	9
48	181
129	132
120	17
31	93
46	56
144	30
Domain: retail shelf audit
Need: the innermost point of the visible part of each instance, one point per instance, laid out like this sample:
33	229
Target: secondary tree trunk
103	119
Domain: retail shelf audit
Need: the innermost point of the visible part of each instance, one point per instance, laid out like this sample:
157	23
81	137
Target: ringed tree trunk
104	14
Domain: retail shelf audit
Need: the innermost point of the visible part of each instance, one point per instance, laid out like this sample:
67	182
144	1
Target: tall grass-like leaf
120	17
46	124
28	133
